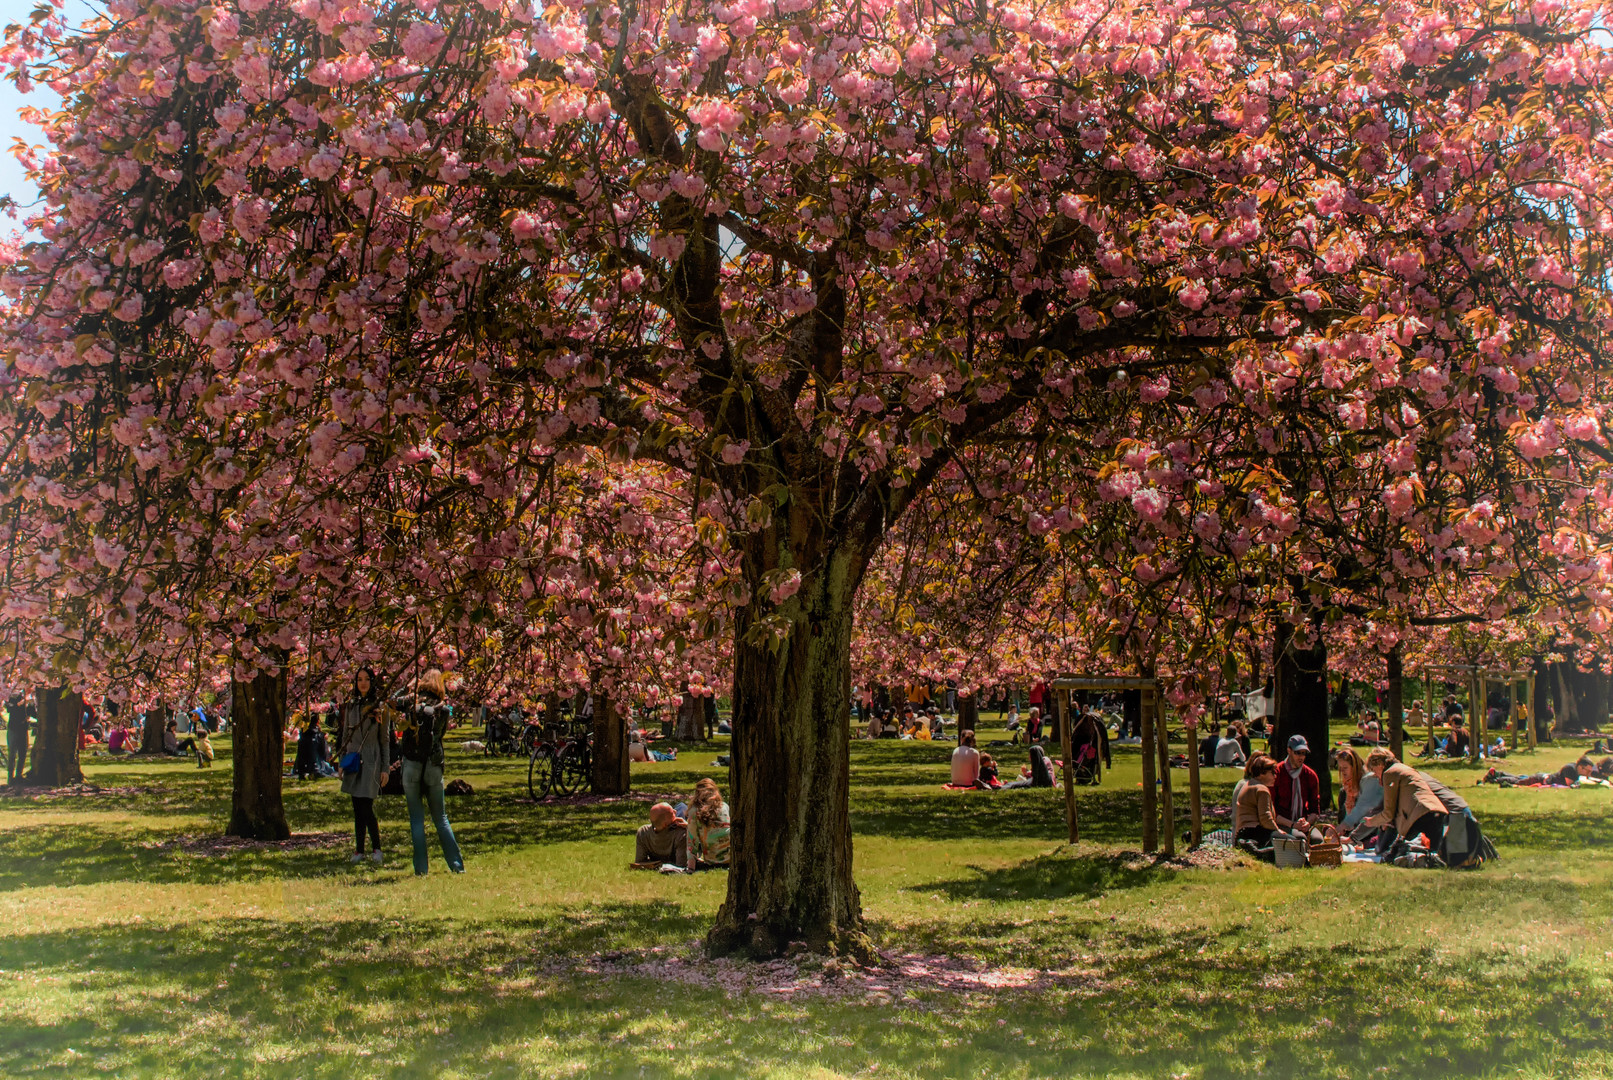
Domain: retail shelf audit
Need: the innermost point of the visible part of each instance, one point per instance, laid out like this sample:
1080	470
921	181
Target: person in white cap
1298	795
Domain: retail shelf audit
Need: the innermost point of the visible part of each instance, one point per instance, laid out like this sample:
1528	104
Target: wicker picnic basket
1329	851
1289	852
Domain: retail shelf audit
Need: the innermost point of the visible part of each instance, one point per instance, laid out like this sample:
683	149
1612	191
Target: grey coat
363	731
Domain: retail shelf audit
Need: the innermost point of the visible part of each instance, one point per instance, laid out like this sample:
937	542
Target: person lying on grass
664	840
1566	776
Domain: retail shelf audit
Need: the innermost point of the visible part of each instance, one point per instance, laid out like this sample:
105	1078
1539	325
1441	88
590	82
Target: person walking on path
425	719
365	760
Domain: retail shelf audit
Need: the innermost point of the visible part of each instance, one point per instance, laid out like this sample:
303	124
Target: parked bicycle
563	764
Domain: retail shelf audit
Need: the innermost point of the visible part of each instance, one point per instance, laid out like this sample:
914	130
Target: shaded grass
125	953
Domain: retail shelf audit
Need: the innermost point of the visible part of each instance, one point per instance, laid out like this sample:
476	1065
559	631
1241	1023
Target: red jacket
1310	789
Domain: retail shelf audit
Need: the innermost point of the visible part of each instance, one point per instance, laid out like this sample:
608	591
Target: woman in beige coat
1409	804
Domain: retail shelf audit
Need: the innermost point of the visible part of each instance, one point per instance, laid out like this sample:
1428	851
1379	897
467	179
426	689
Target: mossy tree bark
258	724
790	880
55	751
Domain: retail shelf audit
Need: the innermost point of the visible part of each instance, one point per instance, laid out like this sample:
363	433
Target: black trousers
364	821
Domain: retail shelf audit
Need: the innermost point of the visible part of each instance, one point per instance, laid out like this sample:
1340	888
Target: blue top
1370	801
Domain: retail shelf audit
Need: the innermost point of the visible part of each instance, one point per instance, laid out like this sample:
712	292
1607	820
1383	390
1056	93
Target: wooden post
1477	722
1530	717
1150	800
1195	802
1068	743
1164	738
1428	703
1512	710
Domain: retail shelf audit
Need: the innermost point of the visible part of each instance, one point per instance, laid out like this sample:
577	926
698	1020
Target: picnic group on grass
1386	810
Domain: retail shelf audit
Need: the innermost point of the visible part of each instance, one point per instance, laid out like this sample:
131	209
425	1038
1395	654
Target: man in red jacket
1298	795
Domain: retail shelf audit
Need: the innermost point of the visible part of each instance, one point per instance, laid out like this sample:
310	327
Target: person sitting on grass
707	832
1603	769
1035	774
988	774
1228	750
1252	818
170	739
1360	793
203	748
117	742
1458	742
965	761
664	840
1297	796
1410	806
875	727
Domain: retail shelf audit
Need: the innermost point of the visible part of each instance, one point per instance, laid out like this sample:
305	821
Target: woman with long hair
708	827
425	719
1360	793
364	759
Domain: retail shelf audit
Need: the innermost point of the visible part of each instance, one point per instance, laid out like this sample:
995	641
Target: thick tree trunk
54	760
1396	702
610	761
257	741
968	712
1301	703
790	879
151	733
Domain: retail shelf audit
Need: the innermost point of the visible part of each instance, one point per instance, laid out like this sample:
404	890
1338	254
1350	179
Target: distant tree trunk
55	752
610	760
151	733
1540	707
1301	704
968	711
1396	705
690	715
1568	717
1341	700
257	742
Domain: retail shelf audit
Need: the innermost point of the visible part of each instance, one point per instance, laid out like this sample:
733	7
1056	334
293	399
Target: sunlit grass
129	946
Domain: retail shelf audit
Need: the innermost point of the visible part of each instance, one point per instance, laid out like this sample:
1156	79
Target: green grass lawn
133	944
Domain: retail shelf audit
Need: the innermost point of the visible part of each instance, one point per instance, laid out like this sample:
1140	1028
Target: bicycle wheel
540	772
568	776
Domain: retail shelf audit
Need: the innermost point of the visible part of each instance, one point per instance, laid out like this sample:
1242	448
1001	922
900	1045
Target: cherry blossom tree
814	257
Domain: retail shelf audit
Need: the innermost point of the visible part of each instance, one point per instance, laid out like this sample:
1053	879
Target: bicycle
564	766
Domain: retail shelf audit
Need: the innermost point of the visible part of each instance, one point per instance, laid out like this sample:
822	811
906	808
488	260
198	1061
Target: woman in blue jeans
425	719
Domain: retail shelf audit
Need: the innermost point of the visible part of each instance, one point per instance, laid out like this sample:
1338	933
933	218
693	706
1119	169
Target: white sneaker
375	857
357	856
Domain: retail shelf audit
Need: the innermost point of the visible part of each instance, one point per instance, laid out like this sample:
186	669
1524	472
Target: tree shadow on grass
399	997
1049	877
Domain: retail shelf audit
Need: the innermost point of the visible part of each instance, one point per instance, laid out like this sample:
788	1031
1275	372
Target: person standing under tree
17	716
365	760
425	719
